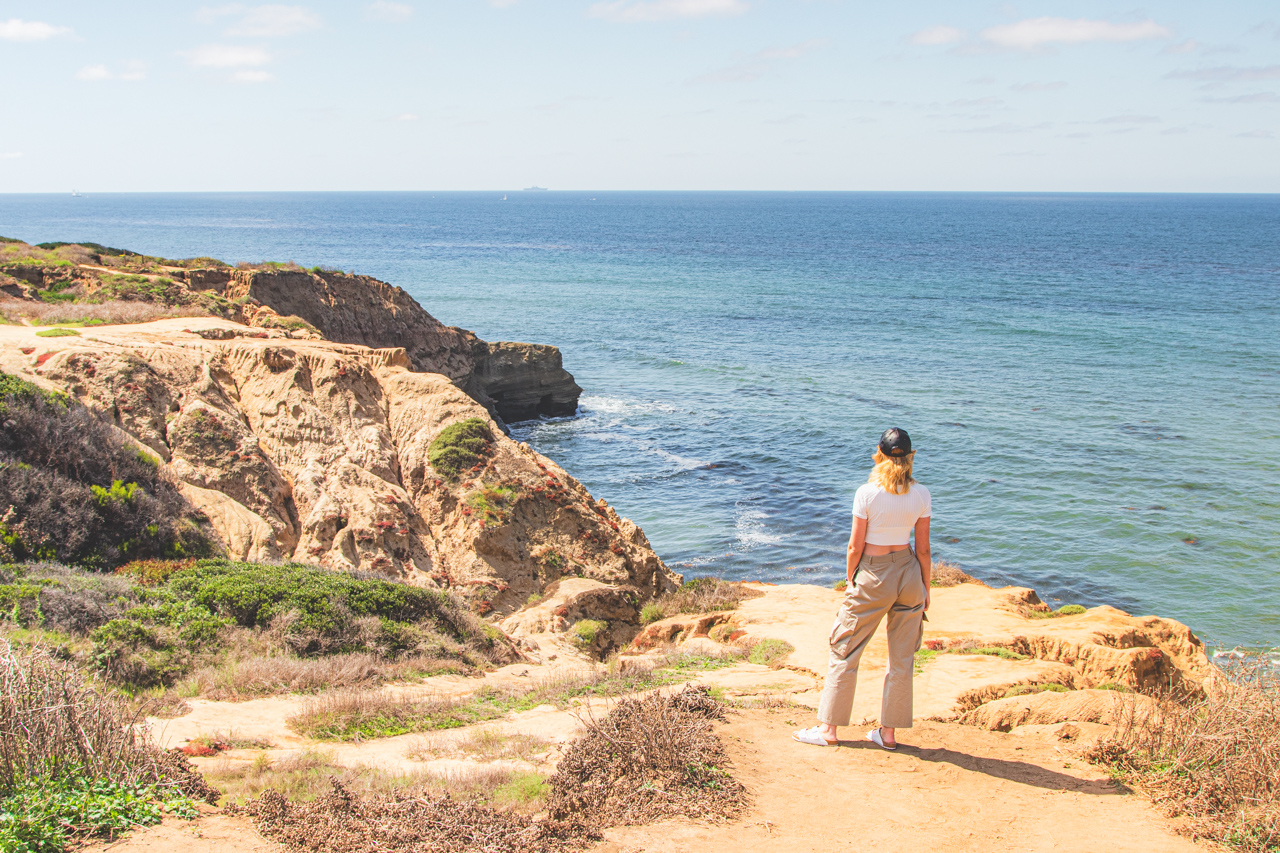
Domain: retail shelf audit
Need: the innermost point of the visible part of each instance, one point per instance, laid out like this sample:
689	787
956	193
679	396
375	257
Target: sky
640	95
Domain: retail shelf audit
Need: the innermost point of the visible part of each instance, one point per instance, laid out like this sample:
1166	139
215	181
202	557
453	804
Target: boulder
1106	707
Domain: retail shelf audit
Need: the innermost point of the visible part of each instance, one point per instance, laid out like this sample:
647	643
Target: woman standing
885	578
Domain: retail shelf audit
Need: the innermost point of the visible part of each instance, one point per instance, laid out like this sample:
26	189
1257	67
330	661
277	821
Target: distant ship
76	193
535	189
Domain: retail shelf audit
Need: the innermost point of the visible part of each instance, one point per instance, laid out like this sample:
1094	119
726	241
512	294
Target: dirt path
948	788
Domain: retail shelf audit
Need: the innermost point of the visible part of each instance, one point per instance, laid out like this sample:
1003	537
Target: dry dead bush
487	744
950	574
1211	759
407	823
54	722
650	757
116	312
706	595
262	675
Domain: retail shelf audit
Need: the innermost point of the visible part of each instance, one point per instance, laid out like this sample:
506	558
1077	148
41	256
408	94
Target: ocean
1092	382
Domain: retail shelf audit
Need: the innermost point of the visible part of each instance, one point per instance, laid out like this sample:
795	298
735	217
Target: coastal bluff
297	409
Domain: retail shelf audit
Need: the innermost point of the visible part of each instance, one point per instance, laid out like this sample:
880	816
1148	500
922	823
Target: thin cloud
636	11
134	70
405	117
16	29
1255	98
252	77
10	155
270	21
1188	46
975	102
91	73
1174	131
1039	87
226	56
392	13
1228	74
1006	127
940	34
1128	119
1256	134
1034	33
760	63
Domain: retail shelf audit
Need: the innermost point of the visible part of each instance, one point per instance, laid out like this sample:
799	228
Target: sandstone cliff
514	381
318	451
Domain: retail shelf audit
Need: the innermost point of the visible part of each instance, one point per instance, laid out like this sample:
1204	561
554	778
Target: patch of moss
57	333
460	446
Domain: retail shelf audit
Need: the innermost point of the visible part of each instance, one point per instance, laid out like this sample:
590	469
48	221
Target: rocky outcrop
514	381
318	451
524	381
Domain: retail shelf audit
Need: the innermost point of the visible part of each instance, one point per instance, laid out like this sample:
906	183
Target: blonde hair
893	473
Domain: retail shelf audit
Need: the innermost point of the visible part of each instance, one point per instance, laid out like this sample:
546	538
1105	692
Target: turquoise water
1091	380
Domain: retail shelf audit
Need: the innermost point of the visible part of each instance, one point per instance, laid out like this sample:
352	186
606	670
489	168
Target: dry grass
104	313
357	715
946	574
1211	760
649	758
487	744
407	822
263	675
702	595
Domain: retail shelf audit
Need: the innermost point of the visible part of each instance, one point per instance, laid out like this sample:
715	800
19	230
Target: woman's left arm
923	555
853	554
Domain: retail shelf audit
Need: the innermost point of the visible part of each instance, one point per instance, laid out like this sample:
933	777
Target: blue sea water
1092	381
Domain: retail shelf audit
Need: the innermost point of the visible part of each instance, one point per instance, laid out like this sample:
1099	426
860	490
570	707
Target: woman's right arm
857	540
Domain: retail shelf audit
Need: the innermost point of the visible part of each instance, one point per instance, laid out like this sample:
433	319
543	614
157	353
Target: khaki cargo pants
888	584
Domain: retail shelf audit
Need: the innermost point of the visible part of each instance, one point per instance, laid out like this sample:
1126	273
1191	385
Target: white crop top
891	518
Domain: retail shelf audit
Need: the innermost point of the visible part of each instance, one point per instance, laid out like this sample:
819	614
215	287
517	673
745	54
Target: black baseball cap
895	442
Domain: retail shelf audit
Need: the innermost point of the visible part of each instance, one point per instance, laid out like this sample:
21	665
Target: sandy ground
948	788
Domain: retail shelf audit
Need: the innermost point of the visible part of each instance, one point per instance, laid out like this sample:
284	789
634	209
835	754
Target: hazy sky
640	94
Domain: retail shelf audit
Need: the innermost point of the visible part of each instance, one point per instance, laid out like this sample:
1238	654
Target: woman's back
891	517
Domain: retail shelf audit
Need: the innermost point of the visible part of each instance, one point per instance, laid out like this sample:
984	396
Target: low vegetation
769	652
700	595
460	446
649	758
414	821
73	766
306	776
76	492
223	629
356	715
1211	759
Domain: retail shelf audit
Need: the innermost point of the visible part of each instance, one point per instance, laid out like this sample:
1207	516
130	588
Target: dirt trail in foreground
948	788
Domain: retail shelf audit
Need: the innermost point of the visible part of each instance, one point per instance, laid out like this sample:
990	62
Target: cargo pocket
842	633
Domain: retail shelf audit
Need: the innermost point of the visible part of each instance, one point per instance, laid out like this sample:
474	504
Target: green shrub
769	652
651	613
1071	609
493	502
587	631
76	493
1111	685
460	446
840	585
57	333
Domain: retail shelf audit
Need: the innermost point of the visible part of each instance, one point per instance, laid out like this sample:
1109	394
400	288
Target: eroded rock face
317	451
525	381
